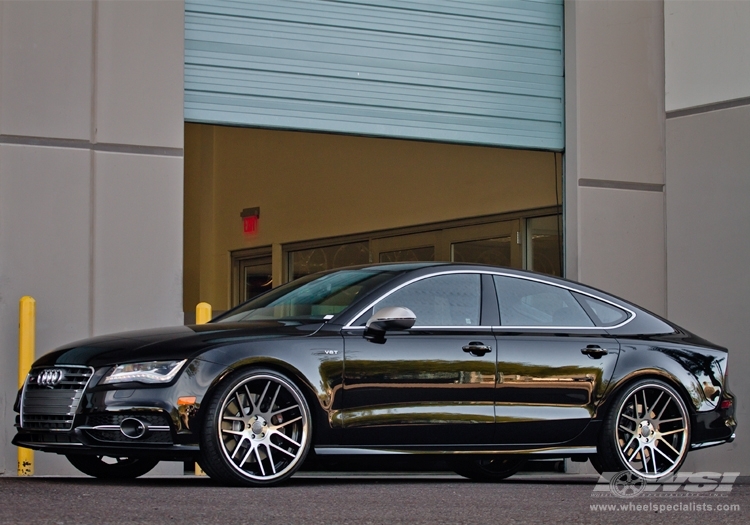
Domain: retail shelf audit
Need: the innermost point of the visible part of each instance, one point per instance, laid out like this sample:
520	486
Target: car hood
178	342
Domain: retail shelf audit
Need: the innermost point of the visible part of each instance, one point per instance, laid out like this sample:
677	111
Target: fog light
133	428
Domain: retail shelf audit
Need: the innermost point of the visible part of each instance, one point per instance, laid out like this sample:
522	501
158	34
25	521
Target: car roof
421	268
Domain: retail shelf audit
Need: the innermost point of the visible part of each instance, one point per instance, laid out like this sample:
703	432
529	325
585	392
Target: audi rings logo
50	377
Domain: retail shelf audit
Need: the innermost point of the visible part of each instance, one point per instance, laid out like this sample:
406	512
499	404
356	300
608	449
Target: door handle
594	351
477	348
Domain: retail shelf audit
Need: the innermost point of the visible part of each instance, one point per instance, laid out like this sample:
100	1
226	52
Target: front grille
51	397
49	437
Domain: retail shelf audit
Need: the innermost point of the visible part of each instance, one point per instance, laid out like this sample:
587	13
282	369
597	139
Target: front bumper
77	443
128	420
98	430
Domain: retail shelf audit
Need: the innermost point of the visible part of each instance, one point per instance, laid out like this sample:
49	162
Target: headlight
151	372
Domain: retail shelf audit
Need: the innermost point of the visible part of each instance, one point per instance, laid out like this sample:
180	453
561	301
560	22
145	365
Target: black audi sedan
479	367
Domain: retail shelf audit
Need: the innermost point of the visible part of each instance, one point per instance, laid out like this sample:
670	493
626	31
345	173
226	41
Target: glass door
497	244
544	244
253	275
533	241
405	248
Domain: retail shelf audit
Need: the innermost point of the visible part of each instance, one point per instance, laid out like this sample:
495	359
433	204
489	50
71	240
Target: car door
554	364
431	384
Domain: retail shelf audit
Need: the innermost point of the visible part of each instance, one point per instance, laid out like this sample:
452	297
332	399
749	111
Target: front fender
315	363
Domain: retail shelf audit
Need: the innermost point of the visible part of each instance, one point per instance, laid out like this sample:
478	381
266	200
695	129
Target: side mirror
391	318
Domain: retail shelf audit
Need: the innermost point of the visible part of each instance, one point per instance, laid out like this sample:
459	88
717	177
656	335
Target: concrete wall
708	191
91	176
614	171
706	49
708	221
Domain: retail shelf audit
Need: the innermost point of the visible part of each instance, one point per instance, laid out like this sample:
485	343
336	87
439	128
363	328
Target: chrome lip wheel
263	426
652	431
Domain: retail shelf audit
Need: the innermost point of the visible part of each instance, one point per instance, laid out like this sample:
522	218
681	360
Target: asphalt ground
356	499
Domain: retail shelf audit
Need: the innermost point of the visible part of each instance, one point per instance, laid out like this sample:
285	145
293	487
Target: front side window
531	303
443	300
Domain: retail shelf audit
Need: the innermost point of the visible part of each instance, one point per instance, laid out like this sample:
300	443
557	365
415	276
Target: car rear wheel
488	468
596	463
647	432
106	467
257	429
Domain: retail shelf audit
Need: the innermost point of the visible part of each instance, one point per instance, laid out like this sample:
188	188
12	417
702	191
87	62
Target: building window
307	261
532	242
544	244
252	273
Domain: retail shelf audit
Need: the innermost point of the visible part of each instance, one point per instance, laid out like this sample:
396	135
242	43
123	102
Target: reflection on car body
478	366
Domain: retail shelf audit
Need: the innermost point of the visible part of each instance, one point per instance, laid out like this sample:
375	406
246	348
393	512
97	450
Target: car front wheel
257	429
647	431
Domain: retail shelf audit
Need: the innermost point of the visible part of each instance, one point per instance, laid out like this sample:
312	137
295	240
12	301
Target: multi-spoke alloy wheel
647	432
258	430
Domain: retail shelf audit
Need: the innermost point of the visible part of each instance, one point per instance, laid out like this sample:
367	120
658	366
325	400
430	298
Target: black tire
104	467
646	432
257	429
488	468
596	463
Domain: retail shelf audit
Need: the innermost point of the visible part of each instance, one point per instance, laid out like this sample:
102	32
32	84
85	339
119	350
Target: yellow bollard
202	313
26	341
202	316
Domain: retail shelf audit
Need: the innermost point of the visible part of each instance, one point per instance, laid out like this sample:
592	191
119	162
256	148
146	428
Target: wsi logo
627	484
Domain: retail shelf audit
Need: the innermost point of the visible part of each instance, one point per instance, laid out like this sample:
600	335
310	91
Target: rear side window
531	303
604	314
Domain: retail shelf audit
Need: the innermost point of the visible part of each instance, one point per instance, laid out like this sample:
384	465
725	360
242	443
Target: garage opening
327	201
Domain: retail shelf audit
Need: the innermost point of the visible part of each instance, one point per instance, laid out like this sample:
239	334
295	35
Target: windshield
312	298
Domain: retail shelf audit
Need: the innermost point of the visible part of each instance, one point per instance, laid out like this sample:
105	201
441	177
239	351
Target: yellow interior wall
315	185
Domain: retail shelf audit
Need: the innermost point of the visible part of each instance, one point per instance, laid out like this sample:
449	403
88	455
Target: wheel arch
281	367
655	374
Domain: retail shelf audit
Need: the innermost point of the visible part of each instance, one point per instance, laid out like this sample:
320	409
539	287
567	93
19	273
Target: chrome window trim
570	289
349	326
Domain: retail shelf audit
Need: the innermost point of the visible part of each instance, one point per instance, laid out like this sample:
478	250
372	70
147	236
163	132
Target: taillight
725	404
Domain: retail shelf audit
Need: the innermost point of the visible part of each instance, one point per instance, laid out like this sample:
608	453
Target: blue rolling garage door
478	72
